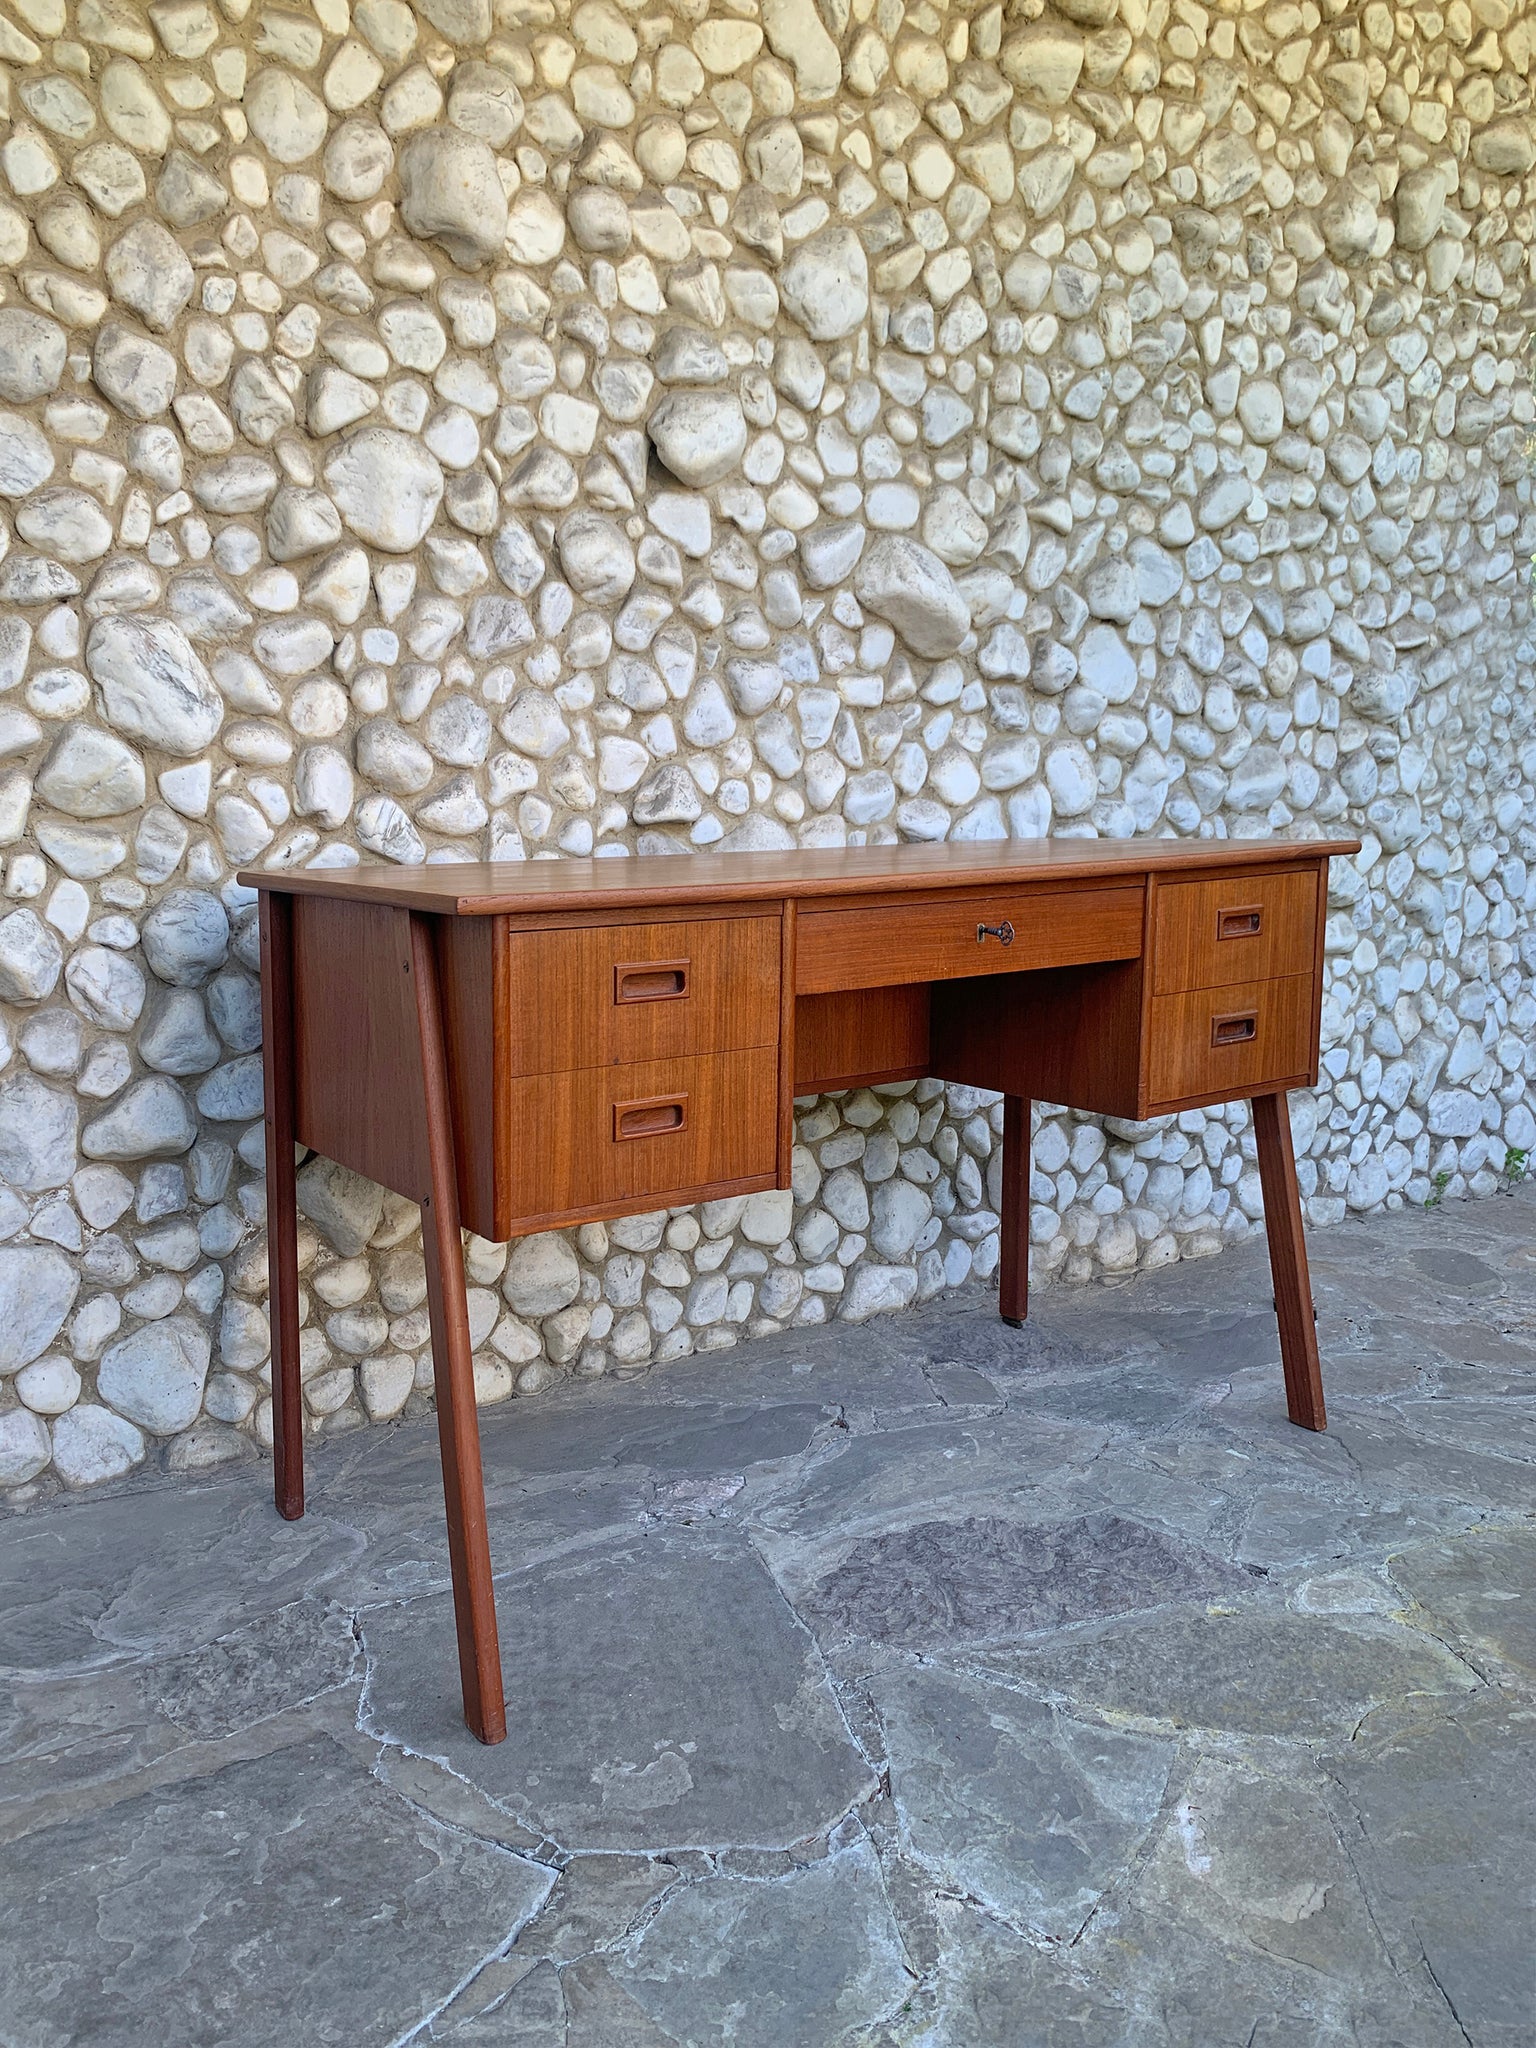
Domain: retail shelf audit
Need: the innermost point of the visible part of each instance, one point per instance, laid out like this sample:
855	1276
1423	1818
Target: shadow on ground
925	1684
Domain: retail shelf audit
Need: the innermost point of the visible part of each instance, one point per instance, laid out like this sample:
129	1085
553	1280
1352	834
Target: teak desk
531	1044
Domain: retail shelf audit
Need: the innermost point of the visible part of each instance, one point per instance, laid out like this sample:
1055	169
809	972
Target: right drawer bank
1234	997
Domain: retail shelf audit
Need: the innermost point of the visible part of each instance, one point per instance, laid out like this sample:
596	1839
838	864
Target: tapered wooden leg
282	1212
1288	1263
458	1425
1013	1277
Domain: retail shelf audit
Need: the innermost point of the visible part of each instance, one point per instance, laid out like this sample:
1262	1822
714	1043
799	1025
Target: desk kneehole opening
654	1116
1237	1027
650	981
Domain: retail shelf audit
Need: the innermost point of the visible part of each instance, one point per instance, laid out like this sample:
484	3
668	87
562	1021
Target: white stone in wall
91	774
342	1205
30	957
38	1285
155	1376
906	584
32	354
153	684
25	1447
596	556
25	457
152	1120
38	1134
450	191
148	272
386	486
825	284
136	374
699	435
542	1275
93	1443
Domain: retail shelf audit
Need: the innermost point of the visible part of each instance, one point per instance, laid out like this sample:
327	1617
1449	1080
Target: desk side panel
356	1055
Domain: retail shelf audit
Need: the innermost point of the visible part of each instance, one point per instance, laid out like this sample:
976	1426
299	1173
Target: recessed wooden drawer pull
1245	923
1237	1028
655	1117
1003	931
650	981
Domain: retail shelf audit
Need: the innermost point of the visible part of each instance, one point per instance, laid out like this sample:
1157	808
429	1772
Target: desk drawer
943	940
1252	928
1228	1041
666	1130
600	995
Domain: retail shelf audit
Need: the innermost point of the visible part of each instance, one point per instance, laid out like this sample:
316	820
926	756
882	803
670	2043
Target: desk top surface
486	888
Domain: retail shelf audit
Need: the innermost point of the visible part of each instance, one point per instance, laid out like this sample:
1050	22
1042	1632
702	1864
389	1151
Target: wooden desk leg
1288	1263
458	1424
282	1210
1013	1278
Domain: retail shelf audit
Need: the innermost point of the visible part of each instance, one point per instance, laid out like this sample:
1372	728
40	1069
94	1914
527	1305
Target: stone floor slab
1012	1803
985	1579
1446	1813
291	1897
663	1696
813	1956
1253	1672
1480	1592
81	1584
76	1741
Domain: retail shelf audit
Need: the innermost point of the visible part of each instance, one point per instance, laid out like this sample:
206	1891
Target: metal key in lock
1003	931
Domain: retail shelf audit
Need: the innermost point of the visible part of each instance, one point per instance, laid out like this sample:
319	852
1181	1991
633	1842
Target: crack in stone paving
1450	2003
948	1802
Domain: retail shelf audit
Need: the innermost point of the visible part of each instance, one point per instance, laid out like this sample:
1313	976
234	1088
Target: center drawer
608	995
945	939
662	1133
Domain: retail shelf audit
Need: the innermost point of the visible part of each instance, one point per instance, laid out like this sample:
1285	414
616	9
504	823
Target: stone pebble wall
525	429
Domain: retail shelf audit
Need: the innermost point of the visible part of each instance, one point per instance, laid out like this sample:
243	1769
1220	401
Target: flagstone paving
918	1684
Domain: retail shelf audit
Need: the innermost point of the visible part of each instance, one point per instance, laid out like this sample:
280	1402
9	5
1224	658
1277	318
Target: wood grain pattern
1156	883
854	1040
453	1372
1189	951
355	1041
1320	934
787	1042
1187	1061
565	1010
1072	1035
881	945
1288	1263
486	888
565	1156
276	934
1013	1269
643	1204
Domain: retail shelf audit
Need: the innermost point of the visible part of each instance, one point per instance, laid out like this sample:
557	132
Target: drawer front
1253	928
1228	1041
601	995
666	1129
1001	932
